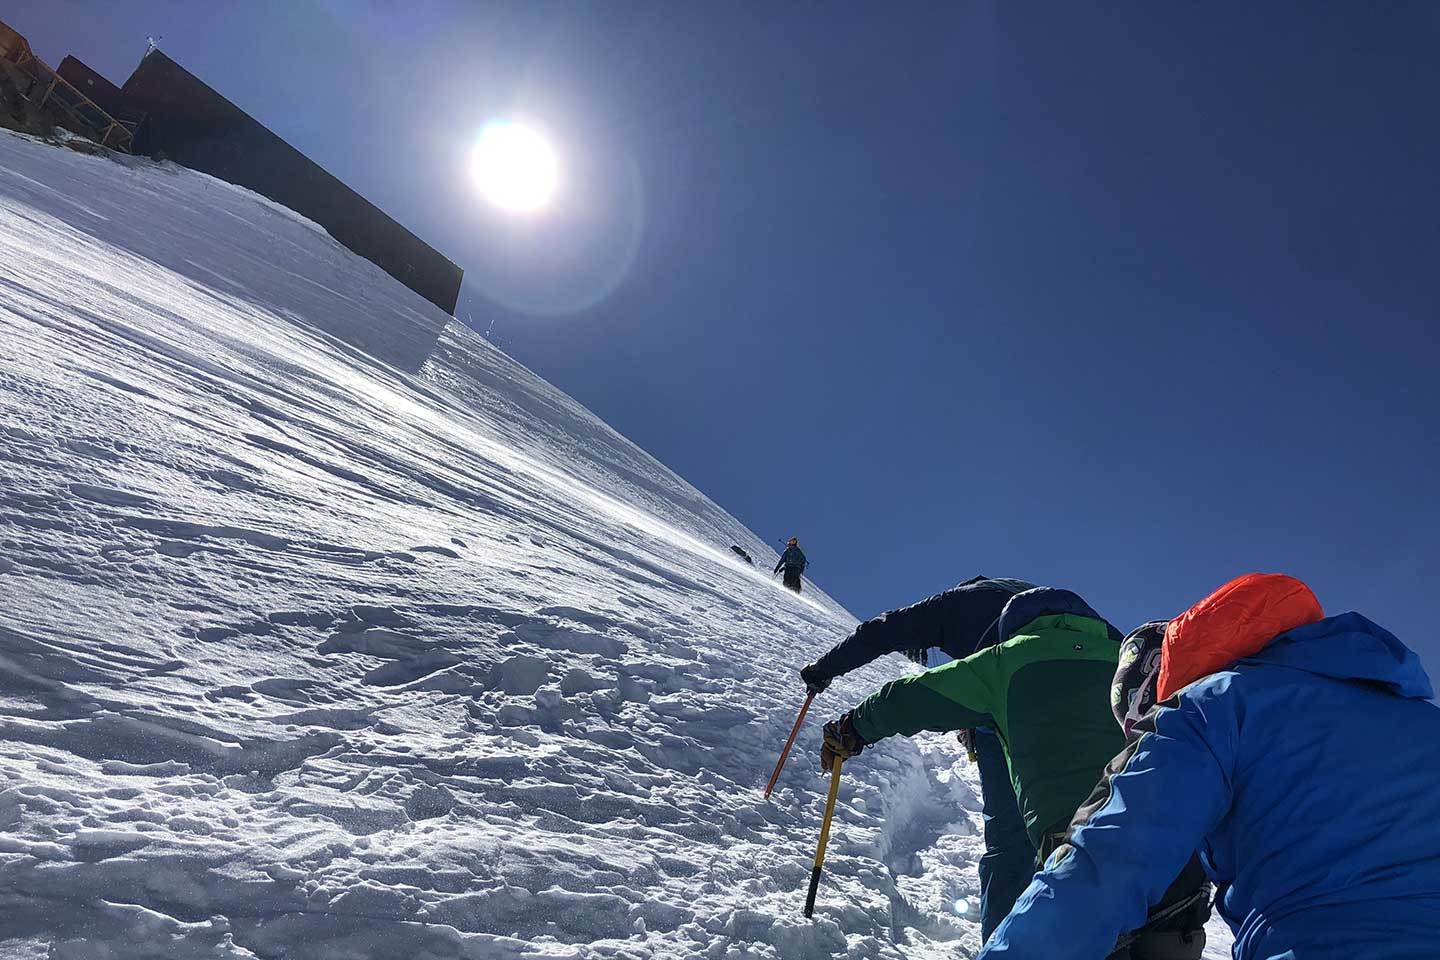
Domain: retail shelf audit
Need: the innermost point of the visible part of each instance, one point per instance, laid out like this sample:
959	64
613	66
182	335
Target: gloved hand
920	655
815	681
841	740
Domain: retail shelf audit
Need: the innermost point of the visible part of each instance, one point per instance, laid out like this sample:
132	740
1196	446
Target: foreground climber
1174	929
1298	754
792	563
958	622
1043	687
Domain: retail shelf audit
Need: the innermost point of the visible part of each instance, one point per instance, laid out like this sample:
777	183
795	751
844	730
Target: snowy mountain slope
329	631
302	655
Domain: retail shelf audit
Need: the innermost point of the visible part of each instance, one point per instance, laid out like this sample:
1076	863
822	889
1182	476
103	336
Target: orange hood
1236	621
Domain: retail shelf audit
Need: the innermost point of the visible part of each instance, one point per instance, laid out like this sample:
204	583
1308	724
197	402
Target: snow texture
331	632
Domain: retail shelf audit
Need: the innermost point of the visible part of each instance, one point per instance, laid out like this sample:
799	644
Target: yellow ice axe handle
824	835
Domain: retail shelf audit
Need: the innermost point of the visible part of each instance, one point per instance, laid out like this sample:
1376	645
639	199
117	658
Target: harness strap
1171	911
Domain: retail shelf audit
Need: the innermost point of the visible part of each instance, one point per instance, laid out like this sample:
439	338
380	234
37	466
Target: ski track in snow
329	632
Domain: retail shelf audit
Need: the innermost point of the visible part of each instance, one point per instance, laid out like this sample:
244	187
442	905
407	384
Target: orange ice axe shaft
786	751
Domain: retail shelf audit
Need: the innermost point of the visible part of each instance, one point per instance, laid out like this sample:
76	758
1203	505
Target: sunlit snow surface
303	655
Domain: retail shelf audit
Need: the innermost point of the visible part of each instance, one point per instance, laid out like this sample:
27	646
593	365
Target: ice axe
967	740
785	751
824	835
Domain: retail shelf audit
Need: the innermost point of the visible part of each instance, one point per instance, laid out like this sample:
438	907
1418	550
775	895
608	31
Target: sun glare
514	167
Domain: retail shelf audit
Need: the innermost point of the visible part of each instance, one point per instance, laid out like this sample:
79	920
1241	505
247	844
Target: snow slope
306	656
328	631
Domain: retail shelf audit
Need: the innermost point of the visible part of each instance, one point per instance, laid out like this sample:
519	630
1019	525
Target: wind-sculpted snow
306	656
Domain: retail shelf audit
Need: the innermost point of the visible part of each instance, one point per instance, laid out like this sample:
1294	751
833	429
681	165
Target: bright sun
514	167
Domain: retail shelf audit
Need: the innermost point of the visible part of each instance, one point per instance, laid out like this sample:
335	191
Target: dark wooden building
196	127
105	94
36	99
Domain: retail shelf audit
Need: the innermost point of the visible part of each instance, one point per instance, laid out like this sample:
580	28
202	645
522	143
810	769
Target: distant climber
1043	686
958	622
1298	754
792	563
736	549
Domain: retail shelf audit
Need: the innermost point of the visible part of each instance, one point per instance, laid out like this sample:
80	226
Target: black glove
815	681
920	655
841	740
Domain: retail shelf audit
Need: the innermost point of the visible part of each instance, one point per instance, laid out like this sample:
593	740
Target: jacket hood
1351	647
1236	621
1042	602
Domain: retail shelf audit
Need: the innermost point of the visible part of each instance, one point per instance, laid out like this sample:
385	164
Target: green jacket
1045	691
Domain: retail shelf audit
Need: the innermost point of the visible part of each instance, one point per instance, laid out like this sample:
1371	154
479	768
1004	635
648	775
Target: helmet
793	542
1132	694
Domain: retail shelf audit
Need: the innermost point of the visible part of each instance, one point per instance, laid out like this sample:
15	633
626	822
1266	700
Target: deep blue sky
1130	297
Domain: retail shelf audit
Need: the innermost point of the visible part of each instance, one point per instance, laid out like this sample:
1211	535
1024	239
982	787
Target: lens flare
514	167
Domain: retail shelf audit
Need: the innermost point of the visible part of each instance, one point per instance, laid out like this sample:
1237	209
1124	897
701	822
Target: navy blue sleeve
1151	811
924	624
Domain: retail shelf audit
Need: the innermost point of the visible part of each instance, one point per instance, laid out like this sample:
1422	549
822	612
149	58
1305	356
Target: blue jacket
1307	776
792	559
